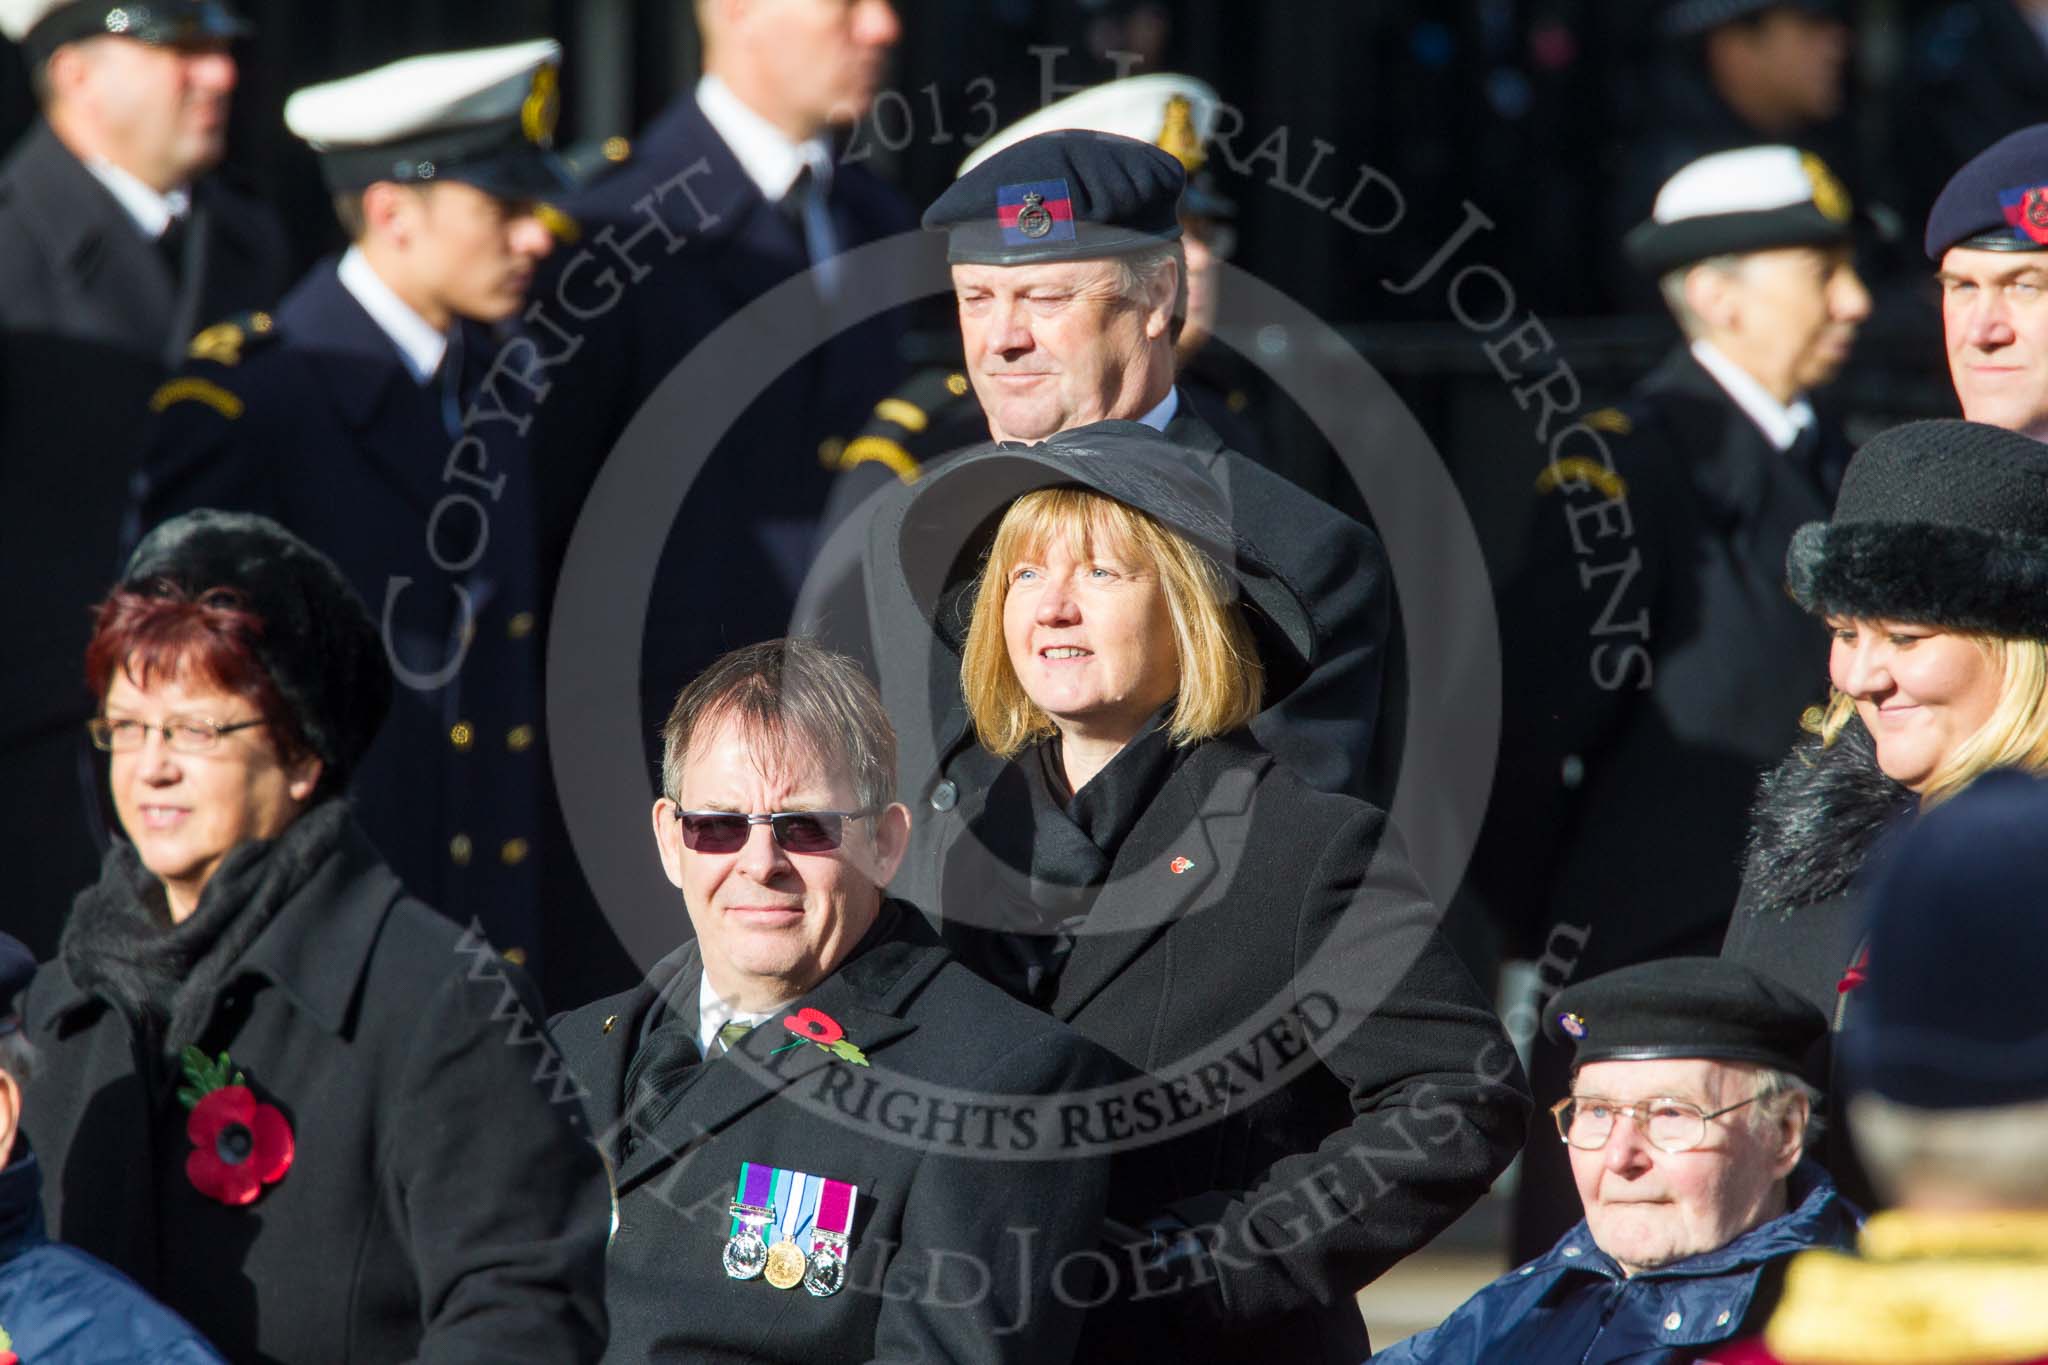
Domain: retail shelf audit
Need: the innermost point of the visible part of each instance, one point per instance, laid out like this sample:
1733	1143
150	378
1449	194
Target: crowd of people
1049	981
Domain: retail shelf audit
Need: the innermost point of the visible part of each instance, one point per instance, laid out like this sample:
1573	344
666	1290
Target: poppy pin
816	1026
1180	865
239	1143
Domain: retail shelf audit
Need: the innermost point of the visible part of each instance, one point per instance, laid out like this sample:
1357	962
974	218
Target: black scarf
1055	848
121	944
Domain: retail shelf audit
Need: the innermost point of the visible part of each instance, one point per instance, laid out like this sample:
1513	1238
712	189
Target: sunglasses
798	831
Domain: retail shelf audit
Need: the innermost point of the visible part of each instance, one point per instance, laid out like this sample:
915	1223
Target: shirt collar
714	1014
1780	423
1164	413
764	152
152	212
419	345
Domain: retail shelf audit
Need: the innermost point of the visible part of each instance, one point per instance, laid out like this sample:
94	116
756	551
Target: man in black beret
1653	667
1945	1062
1070	279
57	1304
1988	235
1687	1124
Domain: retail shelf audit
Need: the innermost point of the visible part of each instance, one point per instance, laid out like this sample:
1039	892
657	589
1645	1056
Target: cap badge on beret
1572	1024
2026	209
1036	211
1829	196
543	107
1177	136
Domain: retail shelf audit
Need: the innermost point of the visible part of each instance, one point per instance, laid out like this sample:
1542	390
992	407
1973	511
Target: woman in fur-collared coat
286	1098
1932	577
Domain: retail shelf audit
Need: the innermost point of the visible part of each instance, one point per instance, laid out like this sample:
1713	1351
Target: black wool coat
74	264
443	1203
1330	1088
315	422
1653	669
958	1254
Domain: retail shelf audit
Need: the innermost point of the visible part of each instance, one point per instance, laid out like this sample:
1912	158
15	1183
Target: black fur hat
318	642
1944	523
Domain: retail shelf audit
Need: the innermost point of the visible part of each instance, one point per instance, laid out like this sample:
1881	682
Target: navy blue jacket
59	1306
1573	1306
314	420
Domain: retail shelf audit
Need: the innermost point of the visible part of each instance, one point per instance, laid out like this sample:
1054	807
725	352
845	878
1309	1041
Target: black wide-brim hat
948	525
318	643
1943	523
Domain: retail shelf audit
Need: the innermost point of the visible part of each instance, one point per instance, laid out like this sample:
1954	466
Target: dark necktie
170	245
654	1082
450	379
808	206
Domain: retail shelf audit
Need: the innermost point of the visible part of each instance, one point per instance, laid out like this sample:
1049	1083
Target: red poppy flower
9	1358
816	1025
1857	974
238	1145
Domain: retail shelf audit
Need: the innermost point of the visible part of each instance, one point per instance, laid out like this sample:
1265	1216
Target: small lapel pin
609	1021
1572	1024
1180	865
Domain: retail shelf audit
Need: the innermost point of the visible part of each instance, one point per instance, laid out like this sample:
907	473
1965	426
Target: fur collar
1818	815
121	945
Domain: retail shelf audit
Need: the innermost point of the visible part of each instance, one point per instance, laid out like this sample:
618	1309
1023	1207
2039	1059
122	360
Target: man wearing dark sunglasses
830	1140
1687	1124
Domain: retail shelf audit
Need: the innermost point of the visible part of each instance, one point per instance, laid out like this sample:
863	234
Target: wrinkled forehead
1035	275
737	757
1706	1081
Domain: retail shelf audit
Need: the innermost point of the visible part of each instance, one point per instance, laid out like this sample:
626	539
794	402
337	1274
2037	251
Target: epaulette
1576	472
594	158
904	414
224	342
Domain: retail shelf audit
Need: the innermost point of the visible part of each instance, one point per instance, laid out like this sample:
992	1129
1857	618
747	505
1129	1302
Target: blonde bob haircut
1221	679
2015	735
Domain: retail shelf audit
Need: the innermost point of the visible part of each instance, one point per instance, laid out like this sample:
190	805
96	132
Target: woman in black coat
1932	577
1327	1088
292	1102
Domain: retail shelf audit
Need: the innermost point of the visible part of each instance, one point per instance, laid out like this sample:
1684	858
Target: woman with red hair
285	1097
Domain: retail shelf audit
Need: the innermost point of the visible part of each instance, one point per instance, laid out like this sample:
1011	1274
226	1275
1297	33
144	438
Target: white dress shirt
714	1014
1164	412
768	157
152	212
1780	423
420	345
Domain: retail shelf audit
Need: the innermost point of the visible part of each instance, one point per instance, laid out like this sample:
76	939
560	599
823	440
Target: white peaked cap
1746	180
433	93
1134	107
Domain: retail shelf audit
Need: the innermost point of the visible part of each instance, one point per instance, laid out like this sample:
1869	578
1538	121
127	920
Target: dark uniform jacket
73	263
59	1306
955	1249
1574	1306
90	318
442	1202
1324	729
1653	669
750	519
315	422
1330	1089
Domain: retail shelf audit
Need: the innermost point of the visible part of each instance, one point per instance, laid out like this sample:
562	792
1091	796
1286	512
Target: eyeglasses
1671	1125
184	734
798	831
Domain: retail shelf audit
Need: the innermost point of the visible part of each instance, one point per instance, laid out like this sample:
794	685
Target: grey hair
1999	1155
798	697
1138	271
17	1059
1672	285
1774	1094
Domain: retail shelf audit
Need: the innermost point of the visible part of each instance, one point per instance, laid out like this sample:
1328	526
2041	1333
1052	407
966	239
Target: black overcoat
1333	1088
443	1203
315	422
955	1249
74	264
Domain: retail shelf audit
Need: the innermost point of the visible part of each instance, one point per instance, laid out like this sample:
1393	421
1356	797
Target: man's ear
10	1115
391	211
1710	293
1790	1138
892	841
668	837
1164	293
303	777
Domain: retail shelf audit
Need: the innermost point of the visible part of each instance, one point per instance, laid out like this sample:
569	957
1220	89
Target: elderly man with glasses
1687	1125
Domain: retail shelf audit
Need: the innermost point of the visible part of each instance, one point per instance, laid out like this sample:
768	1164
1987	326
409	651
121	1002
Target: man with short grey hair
830	1139
1687	1125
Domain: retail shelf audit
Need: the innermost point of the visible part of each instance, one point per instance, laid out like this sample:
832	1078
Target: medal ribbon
835	1212
756	1189
796	1203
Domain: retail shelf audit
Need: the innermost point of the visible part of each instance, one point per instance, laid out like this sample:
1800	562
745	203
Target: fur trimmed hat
318	643
1944	523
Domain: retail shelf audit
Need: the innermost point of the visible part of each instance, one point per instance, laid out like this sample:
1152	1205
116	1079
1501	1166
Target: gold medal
786	1265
